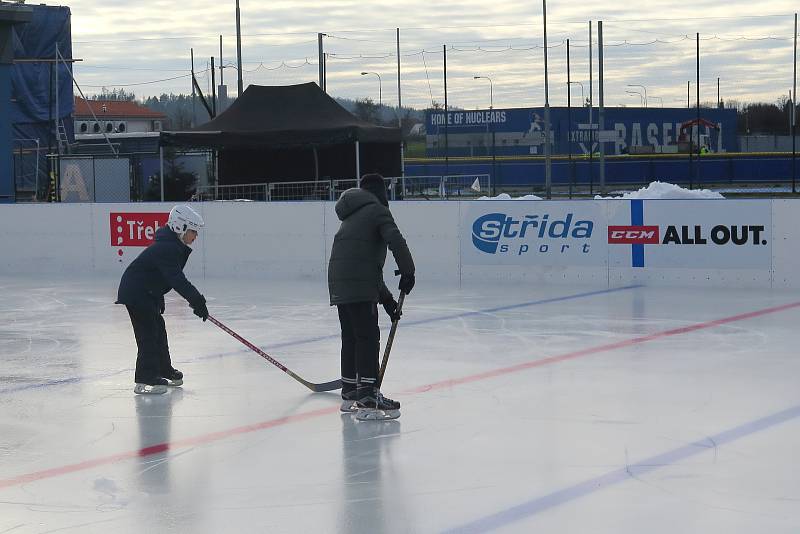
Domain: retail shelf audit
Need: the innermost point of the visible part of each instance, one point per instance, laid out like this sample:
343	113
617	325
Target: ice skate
349	402
373	406
175	378
158	387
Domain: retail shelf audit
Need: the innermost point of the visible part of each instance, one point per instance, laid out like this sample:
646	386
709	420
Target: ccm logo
633	235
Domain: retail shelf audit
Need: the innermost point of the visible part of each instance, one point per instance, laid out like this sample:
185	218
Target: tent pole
161	169
402	160
358	165
316	165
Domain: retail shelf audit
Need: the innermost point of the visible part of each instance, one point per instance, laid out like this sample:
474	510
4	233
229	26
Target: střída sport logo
498	233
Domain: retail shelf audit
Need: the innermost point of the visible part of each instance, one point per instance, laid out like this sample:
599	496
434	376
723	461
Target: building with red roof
115	116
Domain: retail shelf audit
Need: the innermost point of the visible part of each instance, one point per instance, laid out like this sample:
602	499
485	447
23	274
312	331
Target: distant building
115	117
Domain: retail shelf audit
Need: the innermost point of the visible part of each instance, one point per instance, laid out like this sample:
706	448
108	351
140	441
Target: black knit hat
374	184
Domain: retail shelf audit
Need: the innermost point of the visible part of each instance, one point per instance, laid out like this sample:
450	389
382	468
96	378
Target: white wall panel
786	243
46	238
264	240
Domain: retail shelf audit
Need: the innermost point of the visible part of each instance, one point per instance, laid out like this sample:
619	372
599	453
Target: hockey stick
390	340
327	386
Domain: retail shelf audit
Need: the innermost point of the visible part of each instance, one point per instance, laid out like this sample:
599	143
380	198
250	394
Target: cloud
125	43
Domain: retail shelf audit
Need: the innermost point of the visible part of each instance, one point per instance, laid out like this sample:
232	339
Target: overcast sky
748	44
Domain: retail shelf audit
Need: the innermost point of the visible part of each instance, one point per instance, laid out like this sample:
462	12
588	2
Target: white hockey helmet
182	218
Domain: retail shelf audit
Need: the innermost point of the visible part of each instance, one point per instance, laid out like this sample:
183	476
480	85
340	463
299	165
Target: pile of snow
506	196
663	190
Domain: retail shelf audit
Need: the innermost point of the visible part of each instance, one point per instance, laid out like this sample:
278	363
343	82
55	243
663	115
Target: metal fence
452	187
398	187
94	179
29	169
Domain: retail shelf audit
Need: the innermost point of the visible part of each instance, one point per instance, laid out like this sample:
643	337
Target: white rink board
47	239
786	244
292	240
264	240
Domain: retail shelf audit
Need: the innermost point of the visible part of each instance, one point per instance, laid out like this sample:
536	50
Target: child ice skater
356	287
156	271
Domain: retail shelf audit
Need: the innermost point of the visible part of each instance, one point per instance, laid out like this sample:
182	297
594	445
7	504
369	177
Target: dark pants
361	339
153	359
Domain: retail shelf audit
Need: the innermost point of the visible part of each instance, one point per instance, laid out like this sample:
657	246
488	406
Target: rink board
742	243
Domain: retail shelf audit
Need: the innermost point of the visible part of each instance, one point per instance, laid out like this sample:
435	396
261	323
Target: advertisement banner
133	229
533	233
690	234
520	131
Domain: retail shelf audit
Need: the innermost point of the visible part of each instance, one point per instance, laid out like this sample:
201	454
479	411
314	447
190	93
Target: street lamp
583	100
645	91
641	98
491	89
380	86
660	100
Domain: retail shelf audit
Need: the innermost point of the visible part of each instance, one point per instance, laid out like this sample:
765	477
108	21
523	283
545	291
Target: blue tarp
33	102
30	82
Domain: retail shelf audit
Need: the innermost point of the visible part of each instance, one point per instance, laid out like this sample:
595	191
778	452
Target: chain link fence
94	179
29	169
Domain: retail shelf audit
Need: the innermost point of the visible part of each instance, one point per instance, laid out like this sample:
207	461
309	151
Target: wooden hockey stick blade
333	385
316	388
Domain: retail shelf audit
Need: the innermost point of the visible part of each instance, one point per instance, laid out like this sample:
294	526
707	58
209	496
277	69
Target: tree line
752	117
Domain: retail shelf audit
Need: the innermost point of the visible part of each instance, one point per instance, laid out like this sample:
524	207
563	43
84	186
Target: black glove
407	283
200	308
390	306
161	305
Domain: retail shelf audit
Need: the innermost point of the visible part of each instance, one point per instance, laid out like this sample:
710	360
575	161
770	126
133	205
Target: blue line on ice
296	342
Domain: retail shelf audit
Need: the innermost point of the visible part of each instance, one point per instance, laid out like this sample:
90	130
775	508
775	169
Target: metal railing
445	187
398	187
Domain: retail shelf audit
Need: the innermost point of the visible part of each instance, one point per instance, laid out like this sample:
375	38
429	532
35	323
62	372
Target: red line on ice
246	429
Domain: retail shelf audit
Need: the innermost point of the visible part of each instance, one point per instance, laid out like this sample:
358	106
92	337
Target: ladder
61	135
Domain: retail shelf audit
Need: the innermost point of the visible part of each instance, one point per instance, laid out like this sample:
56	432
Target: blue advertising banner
520	131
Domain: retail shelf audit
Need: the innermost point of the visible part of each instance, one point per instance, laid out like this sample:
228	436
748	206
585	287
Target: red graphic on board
135	229
633	235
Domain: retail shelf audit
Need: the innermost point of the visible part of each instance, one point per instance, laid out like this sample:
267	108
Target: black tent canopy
293	132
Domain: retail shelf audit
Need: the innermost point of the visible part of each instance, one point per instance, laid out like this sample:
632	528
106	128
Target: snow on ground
662	190
506	196
656	190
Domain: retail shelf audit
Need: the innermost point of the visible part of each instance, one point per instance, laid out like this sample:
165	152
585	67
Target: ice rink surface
526	408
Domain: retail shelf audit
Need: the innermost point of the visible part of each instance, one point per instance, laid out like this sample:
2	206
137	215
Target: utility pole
213	89
697	90
569	125
591	122
400	112
548	163
446	116
601	120
794	112
239	50
321	61
194	94
399	99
